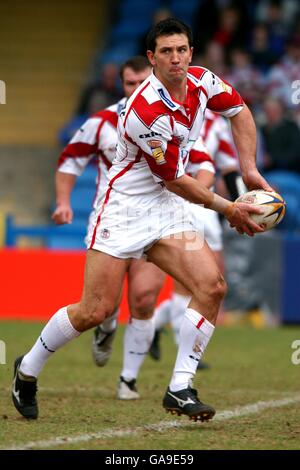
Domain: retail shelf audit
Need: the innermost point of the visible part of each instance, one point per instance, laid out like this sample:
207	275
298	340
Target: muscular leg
103	280
144	283
197	270
182	296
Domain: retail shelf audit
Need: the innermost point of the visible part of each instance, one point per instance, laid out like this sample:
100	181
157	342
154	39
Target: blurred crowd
255	46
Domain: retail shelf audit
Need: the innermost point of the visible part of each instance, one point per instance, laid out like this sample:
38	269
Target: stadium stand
45	49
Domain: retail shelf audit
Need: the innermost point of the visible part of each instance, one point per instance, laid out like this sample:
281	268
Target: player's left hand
239	218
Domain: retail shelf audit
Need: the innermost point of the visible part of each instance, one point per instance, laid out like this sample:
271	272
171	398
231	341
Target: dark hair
166	28
136	63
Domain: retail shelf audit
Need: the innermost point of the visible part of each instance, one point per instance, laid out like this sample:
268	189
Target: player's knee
143	304
218	288
214	288
94	315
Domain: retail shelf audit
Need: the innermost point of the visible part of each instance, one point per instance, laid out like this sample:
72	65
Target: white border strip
253	408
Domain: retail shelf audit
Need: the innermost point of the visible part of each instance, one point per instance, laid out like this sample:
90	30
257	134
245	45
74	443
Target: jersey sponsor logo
151	134
226	88
157	151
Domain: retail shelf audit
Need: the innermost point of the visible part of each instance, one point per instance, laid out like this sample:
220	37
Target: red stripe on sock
200	323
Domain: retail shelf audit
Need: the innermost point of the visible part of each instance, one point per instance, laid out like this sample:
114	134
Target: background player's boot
155	351
102	346
202	365
186	402
24	393
127	389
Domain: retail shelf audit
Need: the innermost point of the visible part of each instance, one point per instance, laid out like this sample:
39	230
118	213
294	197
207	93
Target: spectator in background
226	22
273	16
230	32
213	59
246	78
281	138
283	74
262	56
278	14
209	10
102	92
97	95
159	15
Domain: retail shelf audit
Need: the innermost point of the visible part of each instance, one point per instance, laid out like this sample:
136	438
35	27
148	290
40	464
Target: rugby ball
272	204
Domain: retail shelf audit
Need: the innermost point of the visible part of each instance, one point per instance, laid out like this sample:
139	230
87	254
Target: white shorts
207	222
129	225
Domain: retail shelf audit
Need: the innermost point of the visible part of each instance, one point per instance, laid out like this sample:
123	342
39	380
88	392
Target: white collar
192	83
163	93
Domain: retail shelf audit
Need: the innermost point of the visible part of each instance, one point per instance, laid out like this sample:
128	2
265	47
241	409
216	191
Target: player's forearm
206	178
244	135
195	192
64	183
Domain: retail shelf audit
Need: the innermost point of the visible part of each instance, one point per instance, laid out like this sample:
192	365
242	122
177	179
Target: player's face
171	58
132	79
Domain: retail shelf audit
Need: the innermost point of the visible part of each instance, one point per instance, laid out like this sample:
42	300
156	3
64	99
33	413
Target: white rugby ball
272	204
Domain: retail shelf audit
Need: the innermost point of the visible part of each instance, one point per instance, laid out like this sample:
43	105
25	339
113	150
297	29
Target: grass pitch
78	399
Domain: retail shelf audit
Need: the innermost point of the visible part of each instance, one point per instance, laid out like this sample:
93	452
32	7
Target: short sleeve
82	147
221	96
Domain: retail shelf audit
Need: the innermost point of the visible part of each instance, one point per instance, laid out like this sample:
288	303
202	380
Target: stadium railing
51	236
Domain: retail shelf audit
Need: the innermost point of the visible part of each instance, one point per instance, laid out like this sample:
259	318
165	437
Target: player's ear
150	56
191	54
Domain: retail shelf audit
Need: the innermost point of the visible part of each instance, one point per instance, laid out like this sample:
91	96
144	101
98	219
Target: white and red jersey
97	137
199	159
217	137
156	133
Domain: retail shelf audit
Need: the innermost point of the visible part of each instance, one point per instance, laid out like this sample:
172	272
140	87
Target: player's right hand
239	217
254	180
63	214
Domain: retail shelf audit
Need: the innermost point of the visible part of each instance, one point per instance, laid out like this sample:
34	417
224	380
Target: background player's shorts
207	222
129	225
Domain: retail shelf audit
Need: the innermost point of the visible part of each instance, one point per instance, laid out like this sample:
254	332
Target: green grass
76	397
